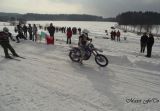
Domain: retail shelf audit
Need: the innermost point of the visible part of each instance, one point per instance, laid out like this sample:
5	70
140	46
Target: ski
12	58
17	56
21	57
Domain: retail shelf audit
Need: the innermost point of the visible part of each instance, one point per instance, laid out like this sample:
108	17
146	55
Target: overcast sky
105	8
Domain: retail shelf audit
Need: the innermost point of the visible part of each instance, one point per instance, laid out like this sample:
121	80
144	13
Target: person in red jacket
69	35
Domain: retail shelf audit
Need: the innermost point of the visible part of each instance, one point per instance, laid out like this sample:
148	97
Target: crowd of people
23	31
115	34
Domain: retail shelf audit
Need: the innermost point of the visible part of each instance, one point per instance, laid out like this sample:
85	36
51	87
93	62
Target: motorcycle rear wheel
74	57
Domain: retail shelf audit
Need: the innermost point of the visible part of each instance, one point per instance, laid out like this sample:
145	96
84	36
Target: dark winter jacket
51	30
4	37
19	29
144	39
150	41
118	34
83	40
30	29
25	28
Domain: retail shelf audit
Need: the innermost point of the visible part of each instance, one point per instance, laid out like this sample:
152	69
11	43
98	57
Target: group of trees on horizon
52	17
141	20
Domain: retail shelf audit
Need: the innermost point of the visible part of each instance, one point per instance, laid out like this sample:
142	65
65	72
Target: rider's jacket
83	39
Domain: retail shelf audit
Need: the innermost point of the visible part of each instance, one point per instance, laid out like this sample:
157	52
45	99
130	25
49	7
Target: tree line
51	17
145	21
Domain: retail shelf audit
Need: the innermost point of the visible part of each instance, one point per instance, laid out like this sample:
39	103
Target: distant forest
139	20
52	17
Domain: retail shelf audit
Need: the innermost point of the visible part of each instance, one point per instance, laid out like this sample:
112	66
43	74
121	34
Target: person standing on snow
25	30
79	30
35	32
30	32
112	34
51	30
150	43
69	35
118	35
4	42
143	41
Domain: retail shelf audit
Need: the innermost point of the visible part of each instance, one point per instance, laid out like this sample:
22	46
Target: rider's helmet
85	32
5	29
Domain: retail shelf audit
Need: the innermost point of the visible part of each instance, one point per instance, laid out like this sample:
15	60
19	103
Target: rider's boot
81	59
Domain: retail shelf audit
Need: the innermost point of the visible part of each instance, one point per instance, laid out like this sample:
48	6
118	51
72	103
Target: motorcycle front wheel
101	60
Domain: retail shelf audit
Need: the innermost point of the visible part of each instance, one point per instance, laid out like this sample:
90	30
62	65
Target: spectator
118	35
35	32
51	30
143	41
69	35
25	30
79	30
114	35
150	43
30	32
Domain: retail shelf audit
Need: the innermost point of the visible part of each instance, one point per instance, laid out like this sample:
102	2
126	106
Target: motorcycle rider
83	39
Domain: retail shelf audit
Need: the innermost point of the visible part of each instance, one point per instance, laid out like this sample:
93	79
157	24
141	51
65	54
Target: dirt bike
75	55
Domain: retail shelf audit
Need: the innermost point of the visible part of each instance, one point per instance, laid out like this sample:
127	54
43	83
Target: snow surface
49	81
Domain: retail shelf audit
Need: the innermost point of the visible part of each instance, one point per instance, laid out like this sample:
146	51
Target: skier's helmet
5	29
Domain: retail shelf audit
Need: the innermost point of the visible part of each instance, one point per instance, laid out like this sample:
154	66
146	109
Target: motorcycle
75	55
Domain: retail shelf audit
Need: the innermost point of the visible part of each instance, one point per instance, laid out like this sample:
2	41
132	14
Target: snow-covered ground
47	80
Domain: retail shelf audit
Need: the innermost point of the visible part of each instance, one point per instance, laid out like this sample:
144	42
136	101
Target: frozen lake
47	80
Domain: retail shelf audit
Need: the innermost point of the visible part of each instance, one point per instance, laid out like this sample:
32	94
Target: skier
143	41
150	43
4	42
83	39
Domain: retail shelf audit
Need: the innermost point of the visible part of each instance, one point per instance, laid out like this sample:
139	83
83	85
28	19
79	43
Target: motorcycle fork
94	53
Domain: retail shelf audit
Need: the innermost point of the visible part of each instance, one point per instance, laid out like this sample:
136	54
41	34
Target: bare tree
157	30
148	28
140	27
